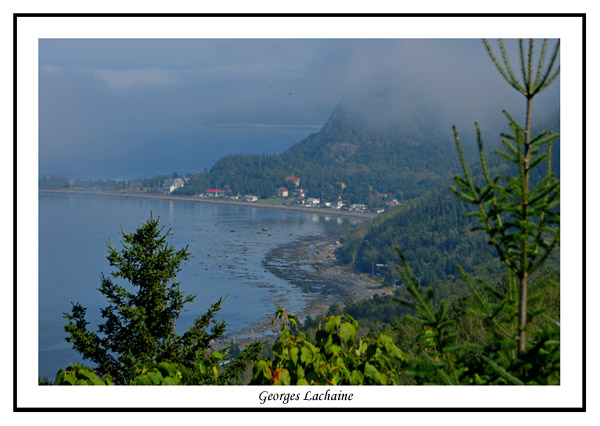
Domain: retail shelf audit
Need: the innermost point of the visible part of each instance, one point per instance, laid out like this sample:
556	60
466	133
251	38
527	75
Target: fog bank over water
129	108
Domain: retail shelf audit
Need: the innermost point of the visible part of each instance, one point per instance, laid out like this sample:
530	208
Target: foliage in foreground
519	215
80	375
336	357
138	332
521	218
442	359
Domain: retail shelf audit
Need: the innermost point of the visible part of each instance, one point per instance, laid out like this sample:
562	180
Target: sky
126	108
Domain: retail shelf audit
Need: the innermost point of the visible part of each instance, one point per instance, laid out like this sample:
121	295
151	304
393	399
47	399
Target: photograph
299	212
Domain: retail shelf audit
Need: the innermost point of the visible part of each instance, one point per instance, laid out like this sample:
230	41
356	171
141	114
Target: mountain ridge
376	156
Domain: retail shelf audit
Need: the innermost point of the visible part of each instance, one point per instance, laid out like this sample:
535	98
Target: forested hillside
433	233
375	155
379	147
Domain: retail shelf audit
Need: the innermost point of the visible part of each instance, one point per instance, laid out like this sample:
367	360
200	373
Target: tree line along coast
176	187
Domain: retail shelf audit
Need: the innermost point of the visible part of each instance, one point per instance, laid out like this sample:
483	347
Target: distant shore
316	210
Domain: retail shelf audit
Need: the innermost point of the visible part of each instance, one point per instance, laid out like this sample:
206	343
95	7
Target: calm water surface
227	246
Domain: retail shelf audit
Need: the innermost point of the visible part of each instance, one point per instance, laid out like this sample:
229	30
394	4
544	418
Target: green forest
434	232
471	254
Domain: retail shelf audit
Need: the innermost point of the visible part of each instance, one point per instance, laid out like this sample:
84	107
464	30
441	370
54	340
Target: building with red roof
295	180
283	192
214	192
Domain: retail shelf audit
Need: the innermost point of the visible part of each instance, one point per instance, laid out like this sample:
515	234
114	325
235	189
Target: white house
171	185
358	207
215	192
283	192
250	198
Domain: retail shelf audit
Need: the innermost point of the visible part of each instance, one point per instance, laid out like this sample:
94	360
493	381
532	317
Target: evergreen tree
521	218
139	322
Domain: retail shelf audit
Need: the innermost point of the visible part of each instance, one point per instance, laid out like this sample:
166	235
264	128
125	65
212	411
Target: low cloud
102	97
127	79
124	79
147	78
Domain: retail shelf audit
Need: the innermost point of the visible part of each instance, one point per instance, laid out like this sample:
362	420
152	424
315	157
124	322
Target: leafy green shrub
164	373
80	375
335	358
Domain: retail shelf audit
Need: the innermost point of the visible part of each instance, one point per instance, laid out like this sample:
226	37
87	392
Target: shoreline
312	264
165	197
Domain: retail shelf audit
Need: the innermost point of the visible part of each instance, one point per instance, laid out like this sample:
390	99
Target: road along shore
258	204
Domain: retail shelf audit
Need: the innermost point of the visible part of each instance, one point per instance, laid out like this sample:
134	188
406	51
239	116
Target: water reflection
227	246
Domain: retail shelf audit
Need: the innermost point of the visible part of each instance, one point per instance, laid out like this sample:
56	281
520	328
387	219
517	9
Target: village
296	196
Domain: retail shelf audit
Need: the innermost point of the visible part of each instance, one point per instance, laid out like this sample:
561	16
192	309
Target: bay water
227	245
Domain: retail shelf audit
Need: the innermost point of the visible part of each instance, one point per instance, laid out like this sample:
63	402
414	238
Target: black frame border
16	16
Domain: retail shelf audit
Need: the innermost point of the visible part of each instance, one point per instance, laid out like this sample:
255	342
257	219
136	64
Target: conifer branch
464	164
508	74
488	310
551	79
544	81
513	80
530	70
523	67
540	64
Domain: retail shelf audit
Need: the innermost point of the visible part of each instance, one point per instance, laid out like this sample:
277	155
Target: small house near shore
171	185
283	192
215	192
358	207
